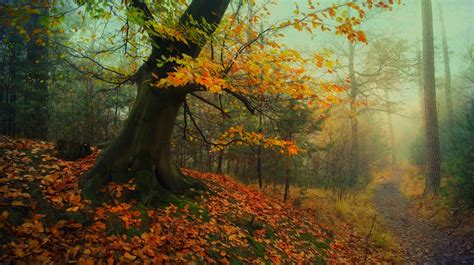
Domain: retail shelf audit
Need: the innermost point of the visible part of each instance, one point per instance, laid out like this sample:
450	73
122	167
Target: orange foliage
238	135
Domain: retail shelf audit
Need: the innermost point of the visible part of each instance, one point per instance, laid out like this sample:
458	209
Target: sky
403	22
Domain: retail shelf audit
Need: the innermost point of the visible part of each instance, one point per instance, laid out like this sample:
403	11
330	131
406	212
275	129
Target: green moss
270	233
248	222
77	217
213	254
199	212
147	187
318	245
234	261
258	248
18	215
115	226
319	261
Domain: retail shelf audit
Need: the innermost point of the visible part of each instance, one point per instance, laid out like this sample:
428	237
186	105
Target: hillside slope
43	219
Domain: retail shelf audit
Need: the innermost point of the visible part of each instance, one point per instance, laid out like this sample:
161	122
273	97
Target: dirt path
423	242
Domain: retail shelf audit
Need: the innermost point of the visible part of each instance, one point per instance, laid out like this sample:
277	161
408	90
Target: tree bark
287	176
143	148
419	81
259	152
144	143
433	176
220	161
287	179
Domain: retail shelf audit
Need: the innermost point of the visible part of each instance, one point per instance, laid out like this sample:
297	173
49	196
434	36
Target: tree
25	69
176	67
389	110
354	91
37	74
387	62
447	72
433	177
143	146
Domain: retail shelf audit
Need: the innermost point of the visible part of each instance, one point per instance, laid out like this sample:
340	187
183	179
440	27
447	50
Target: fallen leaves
46	220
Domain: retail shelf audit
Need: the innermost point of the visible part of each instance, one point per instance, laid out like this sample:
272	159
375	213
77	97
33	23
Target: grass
443	210
357	209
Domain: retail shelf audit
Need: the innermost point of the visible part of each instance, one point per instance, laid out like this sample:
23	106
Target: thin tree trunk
447	73
287	179
354	155
433	177
228	166
38	73
220	161
393	151
287	176
419	80
12	127
259	153
210	161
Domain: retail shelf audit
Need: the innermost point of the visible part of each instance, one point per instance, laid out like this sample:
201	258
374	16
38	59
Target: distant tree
447	72
433	177
354	93
25	69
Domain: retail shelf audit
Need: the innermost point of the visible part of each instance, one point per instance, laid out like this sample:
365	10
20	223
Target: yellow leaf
17	203
329	64
129	256
5	214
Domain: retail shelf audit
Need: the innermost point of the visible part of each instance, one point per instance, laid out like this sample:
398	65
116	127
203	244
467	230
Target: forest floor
423	240
44	220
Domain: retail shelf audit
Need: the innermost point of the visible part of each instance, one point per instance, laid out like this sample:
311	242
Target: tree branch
211	104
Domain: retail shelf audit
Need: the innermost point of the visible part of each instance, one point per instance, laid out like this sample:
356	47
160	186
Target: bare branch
211	104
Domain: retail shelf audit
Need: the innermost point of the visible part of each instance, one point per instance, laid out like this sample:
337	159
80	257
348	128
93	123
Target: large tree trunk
433	176
144	143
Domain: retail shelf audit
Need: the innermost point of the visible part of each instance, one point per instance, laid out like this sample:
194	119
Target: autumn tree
142	149
144	143
185	52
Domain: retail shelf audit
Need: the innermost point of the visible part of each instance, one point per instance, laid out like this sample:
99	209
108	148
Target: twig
367	239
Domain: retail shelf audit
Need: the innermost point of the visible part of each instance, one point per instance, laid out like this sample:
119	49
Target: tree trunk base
148	189
154	180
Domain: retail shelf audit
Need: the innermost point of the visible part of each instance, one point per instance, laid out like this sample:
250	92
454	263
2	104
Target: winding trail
422	241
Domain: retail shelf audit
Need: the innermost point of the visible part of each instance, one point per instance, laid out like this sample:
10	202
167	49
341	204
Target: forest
236	131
